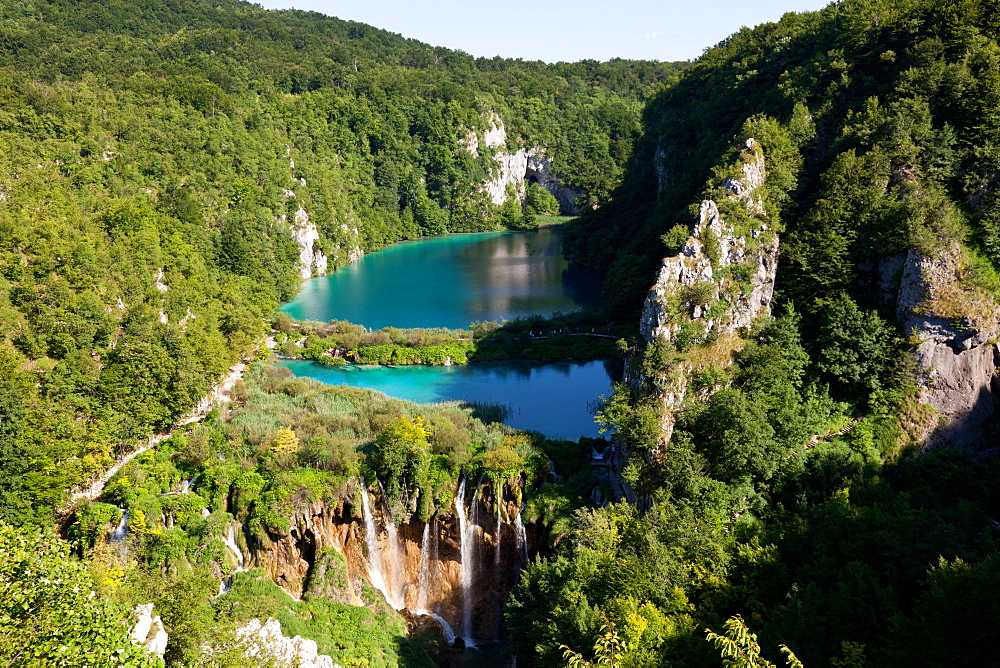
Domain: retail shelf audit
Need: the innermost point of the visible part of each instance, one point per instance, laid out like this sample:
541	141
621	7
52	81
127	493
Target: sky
562	30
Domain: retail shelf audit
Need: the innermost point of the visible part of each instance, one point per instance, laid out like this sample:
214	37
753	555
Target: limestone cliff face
518	169
722	279
419	565
312	261
955	329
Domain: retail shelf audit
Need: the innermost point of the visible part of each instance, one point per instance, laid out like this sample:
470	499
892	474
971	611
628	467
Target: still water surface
451	281
557	398
454	280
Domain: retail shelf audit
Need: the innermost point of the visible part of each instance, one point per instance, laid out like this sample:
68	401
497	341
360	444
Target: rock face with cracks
720	281
954	329
324	553
516	170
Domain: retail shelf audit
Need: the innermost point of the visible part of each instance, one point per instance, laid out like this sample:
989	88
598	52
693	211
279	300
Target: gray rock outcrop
518	169
719	283
955	331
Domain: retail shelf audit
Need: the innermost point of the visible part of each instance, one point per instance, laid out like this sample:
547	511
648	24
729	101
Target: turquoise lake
452	281
557	399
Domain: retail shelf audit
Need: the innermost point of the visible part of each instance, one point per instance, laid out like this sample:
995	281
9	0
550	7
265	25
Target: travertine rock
312	261
956	330
266	640
703	261
148	630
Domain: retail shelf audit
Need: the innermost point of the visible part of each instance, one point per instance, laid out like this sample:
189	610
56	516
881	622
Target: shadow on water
489	412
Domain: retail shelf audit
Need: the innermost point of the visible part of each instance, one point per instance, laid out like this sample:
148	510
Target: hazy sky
554	30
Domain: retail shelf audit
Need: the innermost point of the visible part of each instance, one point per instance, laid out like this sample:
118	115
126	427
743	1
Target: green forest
805	439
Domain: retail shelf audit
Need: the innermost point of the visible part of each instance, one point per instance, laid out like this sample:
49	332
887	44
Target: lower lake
558	399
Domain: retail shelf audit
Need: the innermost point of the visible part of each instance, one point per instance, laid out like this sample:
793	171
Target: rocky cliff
954	328
721	280
518	169
342	553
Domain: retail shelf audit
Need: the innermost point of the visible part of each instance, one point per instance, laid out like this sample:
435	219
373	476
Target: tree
285	442
739	647
541	200
49	612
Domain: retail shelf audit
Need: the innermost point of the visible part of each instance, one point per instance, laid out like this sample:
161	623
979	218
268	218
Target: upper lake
452	281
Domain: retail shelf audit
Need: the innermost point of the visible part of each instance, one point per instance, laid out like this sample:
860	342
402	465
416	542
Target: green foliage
739	647
50	615
541	200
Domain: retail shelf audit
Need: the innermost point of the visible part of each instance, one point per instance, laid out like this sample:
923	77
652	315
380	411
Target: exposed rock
324	554
733	275
148	630
956	329
267	641
518	169
158	279
312	261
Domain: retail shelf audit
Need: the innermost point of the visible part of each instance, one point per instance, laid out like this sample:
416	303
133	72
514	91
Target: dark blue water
451	281
557	399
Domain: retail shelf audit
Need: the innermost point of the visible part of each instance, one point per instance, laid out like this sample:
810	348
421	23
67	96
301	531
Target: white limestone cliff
312	261
265	640
733	274
148	630
517	169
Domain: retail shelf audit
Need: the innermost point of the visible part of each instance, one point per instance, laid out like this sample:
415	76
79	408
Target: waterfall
449	633
371	542
396	569
423	593
520	535
465	545
230	541
118	533
496	553
186	486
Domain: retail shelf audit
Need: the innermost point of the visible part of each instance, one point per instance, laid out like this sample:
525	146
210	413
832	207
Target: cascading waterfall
497	572
423	595
521	535
230	540
393	575
231	543
118	533
371	542
465	546
428	556
496	553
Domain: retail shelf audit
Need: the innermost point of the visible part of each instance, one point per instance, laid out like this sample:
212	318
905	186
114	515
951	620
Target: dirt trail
220	393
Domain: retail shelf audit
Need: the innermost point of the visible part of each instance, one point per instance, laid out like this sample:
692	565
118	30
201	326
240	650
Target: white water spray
465	545
230	540
521	535
371	542
118	533
423	594
496	554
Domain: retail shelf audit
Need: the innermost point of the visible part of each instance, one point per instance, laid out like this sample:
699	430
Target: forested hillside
829	473
806	430
169	169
